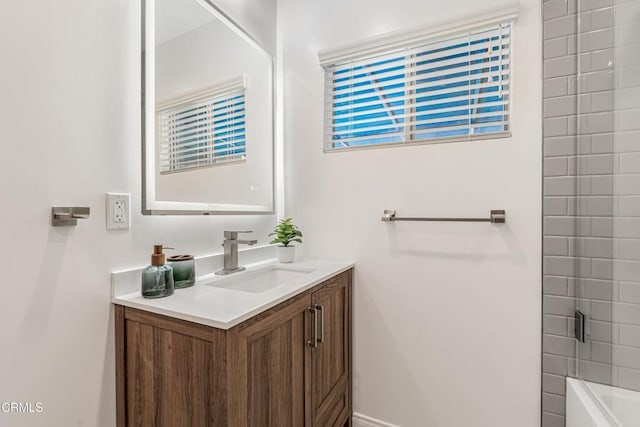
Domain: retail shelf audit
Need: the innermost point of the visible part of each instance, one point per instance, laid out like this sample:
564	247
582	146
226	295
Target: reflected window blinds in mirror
208	108
203	130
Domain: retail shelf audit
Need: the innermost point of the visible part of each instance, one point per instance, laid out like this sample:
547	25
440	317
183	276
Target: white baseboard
360	420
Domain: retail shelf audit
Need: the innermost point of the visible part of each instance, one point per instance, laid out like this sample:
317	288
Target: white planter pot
286	253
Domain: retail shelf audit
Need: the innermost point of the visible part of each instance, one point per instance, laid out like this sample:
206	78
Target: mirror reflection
208	112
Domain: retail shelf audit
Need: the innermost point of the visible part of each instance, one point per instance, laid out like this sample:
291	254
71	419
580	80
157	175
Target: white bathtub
597	405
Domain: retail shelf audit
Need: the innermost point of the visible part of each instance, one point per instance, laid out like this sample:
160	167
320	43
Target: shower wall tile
556	166
587	247
627	142
552	285
596	372
591	205
556	87
556	245
556	126
602	19
558	346
560	26
630	292
558	306
601	101
556	47
559	146
598	186
554	9
626	225
602	60
600	331
566	226
602	310
602	227
553	403
552	420
629	335
630	162
629	378
555	206
600	352
595	206
628	357
595	164
557	67
567	266
629	77
628	184
629	249
597	40
556	325
596	289
596	122
595	4
591	195
628	313
554	364
626	270
629	206
602	143
560	106
553	384
601	269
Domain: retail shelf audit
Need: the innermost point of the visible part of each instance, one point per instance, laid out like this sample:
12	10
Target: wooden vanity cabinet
287	367
331	359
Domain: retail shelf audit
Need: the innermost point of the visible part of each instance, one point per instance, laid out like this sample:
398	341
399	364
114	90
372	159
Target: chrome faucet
230	245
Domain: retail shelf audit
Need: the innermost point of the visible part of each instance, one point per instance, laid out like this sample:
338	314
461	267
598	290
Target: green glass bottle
157	279
184	270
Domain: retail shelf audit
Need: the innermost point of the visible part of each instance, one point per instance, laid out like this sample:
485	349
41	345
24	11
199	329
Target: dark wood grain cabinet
289	366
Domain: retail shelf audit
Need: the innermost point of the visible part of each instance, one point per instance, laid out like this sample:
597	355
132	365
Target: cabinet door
168	372
269	373
331	358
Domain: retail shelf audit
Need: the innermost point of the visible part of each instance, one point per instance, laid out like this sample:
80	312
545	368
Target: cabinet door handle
320	308
313	342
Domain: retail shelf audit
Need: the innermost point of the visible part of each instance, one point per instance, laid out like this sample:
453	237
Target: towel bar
495	217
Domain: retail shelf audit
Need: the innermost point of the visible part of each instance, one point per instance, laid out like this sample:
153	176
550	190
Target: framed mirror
207	112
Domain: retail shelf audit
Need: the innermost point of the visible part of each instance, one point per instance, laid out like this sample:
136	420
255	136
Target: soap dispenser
157	279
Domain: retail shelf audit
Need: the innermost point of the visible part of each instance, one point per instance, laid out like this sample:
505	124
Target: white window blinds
204	130
453	88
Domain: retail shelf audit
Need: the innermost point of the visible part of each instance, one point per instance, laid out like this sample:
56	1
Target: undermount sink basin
260	280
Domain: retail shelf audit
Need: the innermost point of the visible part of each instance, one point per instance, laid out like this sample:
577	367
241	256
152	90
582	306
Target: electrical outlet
118	211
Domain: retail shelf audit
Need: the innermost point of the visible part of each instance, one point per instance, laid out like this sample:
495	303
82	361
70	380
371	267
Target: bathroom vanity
235	352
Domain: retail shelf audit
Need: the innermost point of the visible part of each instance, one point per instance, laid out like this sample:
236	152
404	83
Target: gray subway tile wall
591	202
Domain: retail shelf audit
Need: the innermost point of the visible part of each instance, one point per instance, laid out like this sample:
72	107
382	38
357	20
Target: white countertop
224	308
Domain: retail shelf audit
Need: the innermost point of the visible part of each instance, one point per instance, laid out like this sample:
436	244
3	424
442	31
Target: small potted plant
285	233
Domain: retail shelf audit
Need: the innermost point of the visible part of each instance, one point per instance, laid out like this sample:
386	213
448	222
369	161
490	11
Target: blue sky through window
449	90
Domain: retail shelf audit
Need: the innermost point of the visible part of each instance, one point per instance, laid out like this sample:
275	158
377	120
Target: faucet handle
234	234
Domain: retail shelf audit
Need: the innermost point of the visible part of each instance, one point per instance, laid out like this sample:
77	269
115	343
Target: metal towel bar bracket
495	217
66	216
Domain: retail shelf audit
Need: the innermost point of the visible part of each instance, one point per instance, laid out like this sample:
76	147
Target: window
434	90
204	130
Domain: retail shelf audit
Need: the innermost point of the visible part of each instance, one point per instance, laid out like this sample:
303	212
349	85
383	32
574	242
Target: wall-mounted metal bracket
66	216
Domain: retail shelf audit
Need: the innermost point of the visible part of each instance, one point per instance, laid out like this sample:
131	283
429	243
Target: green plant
286	232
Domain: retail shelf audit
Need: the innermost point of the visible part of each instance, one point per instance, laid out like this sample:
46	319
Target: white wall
447	315
254	16
69	111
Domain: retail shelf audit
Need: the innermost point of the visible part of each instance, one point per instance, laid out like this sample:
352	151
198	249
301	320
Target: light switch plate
118	211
